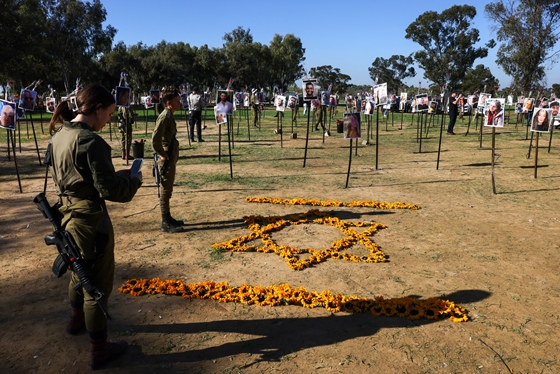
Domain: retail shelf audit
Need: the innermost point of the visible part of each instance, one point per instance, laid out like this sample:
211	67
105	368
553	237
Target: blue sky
345	35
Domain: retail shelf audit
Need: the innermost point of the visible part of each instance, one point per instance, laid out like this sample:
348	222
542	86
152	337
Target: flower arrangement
290	254
284	294
332	203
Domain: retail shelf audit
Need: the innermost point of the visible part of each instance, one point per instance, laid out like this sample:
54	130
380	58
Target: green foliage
327	75
448	43
392	71
527	32
475	79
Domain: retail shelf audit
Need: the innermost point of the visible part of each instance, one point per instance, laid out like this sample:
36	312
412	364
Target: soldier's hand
139	176
123	173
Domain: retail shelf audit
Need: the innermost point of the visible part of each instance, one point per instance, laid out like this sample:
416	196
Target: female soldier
84	177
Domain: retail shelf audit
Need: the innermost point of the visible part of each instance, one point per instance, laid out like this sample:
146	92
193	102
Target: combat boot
167	225
103	350
77	320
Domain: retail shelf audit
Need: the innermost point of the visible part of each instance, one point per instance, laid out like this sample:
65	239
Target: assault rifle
68	254
155	172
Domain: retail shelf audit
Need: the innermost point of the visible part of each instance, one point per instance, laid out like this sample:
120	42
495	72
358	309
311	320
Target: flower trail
284	294
333	203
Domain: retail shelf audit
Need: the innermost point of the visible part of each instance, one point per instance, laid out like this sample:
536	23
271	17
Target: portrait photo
325	98
154	97
239	99
246	99
220	118
292	102
280	103
482	102
310	90
332	100
380	93
352	129
432	109
421	102
521	99
370	107
528	104
122	97
542	120
224	102
7	115
73	103
404	96
51	104
494	113
147	102
27	100
184	101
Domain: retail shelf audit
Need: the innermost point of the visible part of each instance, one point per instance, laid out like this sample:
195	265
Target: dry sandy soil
497	255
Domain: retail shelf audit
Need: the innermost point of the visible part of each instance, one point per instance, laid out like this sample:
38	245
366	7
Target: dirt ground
496	255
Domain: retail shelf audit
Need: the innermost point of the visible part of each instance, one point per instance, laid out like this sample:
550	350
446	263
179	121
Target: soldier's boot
168	226
176	222
77	320
103	350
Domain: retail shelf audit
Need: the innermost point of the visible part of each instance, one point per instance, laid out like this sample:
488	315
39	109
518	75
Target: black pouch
60	265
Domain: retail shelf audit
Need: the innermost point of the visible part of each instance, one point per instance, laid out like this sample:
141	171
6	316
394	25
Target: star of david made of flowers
262	228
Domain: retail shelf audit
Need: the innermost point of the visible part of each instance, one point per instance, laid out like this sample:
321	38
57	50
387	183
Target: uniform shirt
82	166
165	133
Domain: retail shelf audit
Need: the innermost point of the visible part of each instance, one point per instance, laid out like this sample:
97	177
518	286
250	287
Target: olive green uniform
126	119
84	177
165	144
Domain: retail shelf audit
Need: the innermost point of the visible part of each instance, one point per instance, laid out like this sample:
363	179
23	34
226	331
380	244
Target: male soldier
126	119
165	144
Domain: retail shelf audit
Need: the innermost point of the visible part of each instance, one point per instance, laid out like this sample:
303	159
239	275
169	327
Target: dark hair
169	95
87	99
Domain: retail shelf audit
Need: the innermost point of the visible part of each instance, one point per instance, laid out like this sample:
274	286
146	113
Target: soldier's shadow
281	336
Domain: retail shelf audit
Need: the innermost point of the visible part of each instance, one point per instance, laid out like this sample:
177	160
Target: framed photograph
27	100
518	107
542	120
528	104
421	102
224	103
7	115
185	101
521	99
220	118
380	94
310	89
332	100
404	96
280	103
494	113
315	104
292	102
472	100
51	104
482	102
352	126
239	99
325	98
154	97
73	103
147	102
432	109
122	97
246	99
370	107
